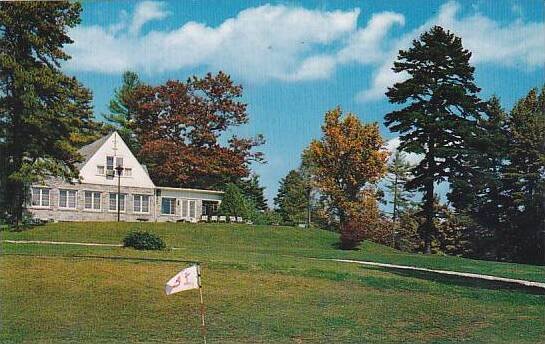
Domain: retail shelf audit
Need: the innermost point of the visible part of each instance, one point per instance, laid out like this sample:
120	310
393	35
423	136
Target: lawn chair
232	219
204	218
239	219
223	219
213	218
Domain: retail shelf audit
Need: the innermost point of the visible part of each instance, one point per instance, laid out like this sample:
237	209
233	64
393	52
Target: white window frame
68	199
123	204
141	202
41	197
101	167
173	209
92	201
125	170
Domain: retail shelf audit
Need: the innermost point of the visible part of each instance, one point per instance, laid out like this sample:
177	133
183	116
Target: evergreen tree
441	111
399	173
234	203
121	115
523	187
45	115
292	199
254	191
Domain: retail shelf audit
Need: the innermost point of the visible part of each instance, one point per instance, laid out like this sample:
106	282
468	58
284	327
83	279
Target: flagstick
203	326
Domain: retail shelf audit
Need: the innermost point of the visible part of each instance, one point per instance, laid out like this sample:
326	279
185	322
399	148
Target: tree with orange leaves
180	127
345	163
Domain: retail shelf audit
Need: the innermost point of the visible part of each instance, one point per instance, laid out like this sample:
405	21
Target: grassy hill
260	285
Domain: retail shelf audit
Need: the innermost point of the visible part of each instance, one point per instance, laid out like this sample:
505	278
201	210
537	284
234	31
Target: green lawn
259	286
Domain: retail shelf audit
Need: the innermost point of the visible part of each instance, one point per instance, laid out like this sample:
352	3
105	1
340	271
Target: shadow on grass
338	246
461	280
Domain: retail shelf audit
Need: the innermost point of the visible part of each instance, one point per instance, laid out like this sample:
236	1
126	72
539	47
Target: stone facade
191	199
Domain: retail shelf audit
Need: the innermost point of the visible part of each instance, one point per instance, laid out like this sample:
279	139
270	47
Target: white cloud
144	12
277	42
412	158
267	42
364	45
515	44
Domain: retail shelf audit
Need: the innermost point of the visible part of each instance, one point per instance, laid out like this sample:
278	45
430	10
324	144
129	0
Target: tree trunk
428	210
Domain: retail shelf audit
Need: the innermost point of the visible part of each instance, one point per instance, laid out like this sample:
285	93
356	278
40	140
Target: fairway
259	287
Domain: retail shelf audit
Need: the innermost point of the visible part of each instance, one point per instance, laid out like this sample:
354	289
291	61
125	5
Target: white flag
184	280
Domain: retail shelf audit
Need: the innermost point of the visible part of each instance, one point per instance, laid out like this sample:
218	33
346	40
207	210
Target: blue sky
297	59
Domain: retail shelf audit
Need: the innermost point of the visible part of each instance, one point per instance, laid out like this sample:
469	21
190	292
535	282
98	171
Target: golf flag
184	280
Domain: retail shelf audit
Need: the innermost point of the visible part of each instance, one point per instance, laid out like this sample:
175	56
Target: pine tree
399	173
292	199
254	191
121	114
44	114
523	187
441	111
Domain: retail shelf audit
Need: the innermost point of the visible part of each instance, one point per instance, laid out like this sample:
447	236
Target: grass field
259	287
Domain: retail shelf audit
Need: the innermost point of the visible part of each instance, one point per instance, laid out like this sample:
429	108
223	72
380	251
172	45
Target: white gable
115	147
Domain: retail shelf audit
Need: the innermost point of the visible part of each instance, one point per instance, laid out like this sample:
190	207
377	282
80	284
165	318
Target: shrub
143	241
352	233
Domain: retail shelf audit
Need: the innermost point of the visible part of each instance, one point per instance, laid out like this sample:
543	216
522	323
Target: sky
298	59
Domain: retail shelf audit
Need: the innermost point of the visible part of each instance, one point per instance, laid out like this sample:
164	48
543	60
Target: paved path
382	265
59	243
445	272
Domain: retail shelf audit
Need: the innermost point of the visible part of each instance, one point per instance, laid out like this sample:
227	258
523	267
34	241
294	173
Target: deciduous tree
181	128
346	163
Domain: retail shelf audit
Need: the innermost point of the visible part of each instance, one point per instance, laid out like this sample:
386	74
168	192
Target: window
40	197
92	200
113	202
110	165
141	204
118	161
100	170
127	172
168	206
67	199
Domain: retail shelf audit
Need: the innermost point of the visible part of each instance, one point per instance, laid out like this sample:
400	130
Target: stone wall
54	213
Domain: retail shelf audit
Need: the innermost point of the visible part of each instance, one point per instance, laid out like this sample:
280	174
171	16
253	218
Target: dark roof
89	150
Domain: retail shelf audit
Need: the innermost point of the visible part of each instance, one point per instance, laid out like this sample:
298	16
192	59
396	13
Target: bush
143	241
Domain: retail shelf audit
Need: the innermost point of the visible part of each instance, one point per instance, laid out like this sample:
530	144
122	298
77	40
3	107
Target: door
189	210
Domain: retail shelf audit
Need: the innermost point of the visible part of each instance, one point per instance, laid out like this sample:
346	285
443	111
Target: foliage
292	199
45	114
348	157
363	222
524	179
442	108
405	236
399	173
179	125
235	204
253	191
266	217
143	241
121	114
